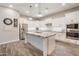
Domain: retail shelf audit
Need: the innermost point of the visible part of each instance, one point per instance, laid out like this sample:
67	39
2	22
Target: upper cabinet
72	17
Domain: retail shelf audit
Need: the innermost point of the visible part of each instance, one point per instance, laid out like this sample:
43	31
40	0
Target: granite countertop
60	38
42	34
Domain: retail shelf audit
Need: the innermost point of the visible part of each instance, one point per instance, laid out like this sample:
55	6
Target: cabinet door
72	17
50	44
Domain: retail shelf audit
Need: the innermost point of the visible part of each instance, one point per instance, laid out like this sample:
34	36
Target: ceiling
29	9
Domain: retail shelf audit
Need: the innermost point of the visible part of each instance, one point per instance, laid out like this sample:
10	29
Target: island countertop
44	41
42	34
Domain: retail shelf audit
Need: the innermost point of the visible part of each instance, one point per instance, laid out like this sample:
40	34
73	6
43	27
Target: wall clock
7	21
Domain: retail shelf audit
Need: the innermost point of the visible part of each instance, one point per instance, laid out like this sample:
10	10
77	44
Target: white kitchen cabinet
60	36
43	41
72	17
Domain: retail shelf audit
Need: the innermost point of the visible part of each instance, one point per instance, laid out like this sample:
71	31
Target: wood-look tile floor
65	49
33	51
62	49
19	49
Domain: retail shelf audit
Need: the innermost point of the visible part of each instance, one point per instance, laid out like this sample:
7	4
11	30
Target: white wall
8	32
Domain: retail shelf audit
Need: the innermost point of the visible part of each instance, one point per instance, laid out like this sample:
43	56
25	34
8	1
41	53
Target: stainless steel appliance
73	26
72	31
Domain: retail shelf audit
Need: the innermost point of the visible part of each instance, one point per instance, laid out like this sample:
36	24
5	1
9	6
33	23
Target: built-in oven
73	26
72	35
72	31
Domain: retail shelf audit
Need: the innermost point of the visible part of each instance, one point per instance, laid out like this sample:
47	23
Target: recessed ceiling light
36	5
27	11
10	5
63	4
30	18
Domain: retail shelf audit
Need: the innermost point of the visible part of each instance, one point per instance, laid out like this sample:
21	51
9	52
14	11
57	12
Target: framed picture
15	22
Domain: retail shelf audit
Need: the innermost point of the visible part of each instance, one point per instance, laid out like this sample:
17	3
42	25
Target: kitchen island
43	41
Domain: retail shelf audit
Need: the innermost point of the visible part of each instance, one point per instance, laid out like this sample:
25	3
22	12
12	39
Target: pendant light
27	11
30	6
39	11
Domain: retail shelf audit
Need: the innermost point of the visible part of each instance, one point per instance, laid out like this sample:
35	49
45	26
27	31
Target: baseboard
8	42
